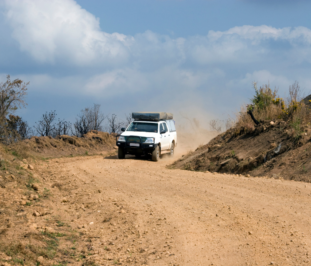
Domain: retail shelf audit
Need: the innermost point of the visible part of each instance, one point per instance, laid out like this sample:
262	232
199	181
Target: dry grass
44	147
267	106
302	113
272	112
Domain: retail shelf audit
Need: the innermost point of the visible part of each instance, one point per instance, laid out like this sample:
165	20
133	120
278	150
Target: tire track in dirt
193	218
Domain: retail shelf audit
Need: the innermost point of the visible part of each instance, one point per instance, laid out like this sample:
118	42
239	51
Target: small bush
264	97
266	105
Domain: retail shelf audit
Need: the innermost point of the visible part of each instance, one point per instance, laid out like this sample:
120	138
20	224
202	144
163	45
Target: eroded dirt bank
274	149
137	212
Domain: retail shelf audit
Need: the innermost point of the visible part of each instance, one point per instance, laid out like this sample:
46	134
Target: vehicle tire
172	149
121	153
156	154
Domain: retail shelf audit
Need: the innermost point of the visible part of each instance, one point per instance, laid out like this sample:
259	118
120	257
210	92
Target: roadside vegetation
14	128
267	105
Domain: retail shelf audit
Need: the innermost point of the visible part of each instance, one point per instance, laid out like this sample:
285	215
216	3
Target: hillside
277	149
93	142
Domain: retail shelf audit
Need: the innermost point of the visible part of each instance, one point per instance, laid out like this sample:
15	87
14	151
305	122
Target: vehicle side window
165	127
162	127
173	125
168	123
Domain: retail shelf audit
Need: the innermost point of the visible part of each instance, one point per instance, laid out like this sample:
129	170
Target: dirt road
176	217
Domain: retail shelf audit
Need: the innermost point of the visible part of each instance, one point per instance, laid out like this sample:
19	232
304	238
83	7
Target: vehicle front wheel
121	153
156	154
172	149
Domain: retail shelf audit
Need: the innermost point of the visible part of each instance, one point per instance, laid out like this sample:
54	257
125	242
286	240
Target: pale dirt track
195	218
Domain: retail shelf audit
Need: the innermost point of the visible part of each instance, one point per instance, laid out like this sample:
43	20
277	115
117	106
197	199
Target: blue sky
176	55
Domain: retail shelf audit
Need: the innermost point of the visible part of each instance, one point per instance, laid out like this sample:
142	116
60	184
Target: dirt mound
93	142
275	149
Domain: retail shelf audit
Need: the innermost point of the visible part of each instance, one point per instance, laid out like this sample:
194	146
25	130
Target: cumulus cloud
219	67
60	30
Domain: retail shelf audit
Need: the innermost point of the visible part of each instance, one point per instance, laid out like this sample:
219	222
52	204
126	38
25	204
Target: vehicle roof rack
152	116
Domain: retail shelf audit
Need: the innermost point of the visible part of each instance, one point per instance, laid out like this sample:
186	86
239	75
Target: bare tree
89	119
82	125
17	129
98	117
62	127
17	125
113	125
295	93
45	127
128	120
24	130
214	124
12	97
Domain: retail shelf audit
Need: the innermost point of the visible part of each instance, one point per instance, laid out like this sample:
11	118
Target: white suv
149	133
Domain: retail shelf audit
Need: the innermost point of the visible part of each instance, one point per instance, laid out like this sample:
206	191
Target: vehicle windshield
143	127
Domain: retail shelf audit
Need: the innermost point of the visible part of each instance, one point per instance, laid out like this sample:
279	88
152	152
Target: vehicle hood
140	134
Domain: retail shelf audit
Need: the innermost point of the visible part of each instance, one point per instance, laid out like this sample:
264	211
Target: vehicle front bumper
142	149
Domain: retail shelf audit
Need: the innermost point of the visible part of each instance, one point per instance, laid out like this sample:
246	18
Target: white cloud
169	81
257	33
60	30
262	77
207	68
116	82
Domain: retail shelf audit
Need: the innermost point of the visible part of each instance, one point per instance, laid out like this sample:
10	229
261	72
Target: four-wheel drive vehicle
149	134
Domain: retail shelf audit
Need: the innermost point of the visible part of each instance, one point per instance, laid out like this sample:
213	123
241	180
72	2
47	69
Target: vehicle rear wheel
156	154
121	153
172	149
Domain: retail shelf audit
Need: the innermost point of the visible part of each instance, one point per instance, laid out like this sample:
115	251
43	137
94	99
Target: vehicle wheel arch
159	144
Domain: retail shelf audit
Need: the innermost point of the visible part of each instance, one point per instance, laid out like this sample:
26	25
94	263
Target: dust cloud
192	129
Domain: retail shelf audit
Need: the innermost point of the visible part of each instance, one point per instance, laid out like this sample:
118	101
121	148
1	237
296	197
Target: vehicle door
172	131
165	139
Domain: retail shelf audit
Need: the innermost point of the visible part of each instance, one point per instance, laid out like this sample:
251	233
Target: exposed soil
277	149
98	210
93	142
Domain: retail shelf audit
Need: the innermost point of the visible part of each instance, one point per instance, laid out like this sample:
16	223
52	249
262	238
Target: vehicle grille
133	139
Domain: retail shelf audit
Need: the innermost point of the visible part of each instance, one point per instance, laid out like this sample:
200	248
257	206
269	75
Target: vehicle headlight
121	139
148	140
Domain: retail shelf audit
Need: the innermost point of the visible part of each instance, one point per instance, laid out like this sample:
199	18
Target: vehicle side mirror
122	129
163	131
